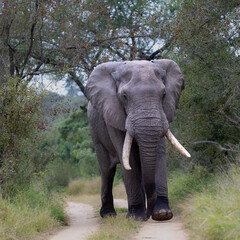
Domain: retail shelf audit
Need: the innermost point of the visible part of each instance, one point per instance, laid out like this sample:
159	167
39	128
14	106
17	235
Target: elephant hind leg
107	170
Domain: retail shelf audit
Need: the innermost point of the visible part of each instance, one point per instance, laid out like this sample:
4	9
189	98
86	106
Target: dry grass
82	186
94	199
118	228
119	191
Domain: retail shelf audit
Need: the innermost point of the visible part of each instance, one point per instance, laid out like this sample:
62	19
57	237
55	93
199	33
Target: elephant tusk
177	144
126	151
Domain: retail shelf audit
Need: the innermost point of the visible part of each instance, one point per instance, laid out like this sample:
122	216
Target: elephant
130	107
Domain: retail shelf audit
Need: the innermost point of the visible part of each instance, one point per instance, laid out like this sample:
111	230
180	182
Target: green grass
208	204
214	213
30	213
182	185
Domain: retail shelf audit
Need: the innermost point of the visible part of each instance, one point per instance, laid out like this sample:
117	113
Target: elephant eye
164	94
124	96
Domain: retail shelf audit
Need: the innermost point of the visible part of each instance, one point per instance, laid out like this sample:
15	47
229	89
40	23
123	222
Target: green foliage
75	144
69	146
58	174
20	120
206	39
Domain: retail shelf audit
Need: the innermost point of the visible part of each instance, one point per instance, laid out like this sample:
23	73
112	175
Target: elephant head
139	98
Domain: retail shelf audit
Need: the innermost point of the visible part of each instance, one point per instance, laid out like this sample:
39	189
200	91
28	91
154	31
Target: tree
68	39
206	38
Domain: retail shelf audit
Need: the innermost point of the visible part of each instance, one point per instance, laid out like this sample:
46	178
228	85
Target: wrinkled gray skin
139	97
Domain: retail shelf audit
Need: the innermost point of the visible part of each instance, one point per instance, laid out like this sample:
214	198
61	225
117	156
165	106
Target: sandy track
83	222
167	230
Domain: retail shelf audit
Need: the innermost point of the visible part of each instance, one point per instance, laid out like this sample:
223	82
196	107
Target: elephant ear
101	91
174	84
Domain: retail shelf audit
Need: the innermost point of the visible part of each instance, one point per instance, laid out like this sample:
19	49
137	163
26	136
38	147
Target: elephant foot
162	211
107	212
137	213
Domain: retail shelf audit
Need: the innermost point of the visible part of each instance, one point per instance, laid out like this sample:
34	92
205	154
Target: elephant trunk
148	141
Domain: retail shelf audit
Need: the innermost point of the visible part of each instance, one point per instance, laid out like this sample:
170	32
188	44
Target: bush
58	174
20	122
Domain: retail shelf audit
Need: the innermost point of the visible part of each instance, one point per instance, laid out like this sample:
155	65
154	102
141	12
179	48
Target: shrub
20	122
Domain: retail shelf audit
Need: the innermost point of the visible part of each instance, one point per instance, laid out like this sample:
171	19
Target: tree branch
159	51
31	37
117	52
76	79
219	146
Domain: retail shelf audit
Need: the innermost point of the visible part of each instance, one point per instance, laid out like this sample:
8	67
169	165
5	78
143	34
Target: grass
118	228
31	212
83	186
182	185
214	213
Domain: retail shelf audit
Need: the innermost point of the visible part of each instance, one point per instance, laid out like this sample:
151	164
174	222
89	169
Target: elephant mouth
128	143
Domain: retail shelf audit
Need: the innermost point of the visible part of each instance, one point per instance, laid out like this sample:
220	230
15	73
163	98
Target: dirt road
83	222
169	230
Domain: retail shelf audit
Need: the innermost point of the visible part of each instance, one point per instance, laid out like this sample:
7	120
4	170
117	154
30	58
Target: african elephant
130	106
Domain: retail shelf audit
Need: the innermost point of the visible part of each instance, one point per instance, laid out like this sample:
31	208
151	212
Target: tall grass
31	212
182	185
214	214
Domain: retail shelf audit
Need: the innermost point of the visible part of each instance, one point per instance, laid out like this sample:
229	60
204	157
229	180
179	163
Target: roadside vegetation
213	213
32	212
207	203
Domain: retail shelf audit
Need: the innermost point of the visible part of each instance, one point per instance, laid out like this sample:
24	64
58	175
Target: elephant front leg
135	195
161	209
134	188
